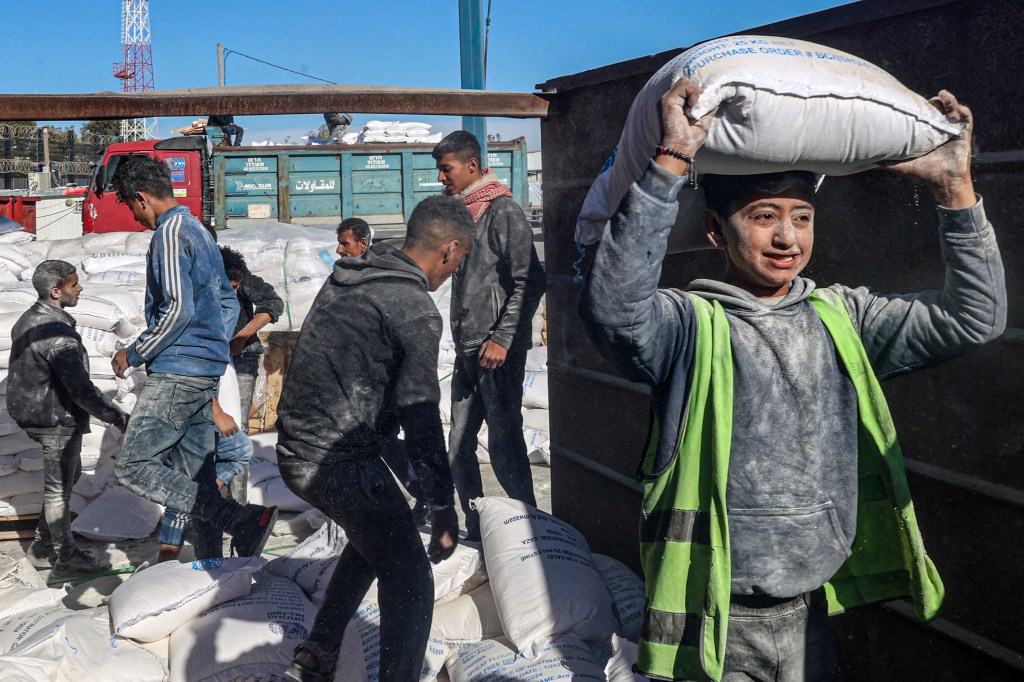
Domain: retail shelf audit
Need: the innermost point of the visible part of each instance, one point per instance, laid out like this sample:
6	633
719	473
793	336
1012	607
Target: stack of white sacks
109	315
532	603
388	132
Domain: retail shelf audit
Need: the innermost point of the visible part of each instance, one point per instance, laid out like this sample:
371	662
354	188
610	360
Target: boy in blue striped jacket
191	310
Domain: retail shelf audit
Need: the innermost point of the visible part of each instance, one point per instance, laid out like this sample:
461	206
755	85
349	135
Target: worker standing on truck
774	487
232	131
337	125
191	311
50	396
494	297
365	363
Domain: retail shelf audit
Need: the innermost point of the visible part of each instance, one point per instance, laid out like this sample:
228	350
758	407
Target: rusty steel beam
273	99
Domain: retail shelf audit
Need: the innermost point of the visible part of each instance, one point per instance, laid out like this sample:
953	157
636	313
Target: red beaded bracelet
691	172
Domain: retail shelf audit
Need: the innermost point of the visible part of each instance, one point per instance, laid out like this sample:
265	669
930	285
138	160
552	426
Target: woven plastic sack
782	104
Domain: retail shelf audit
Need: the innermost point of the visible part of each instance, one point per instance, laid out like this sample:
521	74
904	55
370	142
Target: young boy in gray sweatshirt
774	489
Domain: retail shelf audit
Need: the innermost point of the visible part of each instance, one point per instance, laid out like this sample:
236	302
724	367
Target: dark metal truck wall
961	424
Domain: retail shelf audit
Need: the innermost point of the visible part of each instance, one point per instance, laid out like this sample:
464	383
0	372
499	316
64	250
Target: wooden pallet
18	527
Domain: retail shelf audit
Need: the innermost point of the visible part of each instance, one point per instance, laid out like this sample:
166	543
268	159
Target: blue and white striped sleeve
172	257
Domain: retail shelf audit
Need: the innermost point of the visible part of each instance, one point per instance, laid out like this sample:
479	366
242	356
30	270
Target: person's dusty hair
234	264
140	173
436	220
721	192
360	228
50	275
462	143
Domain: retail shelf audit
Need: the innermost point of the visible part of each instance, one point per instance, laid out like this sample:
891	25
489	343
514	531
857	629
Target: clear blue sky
70	46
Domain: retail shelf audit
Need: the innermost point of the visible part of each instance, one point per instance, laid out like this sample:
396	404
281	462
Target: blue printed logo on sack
610	162
289	630
327	257
207	564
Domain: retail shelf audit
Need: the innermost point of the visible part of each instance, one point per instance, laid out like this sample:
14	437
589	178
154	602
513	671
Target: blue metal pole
471	49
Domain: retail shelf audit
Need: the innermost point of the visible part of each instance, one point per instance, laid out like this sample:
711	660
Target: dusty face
448	261
769	238
349	246
69	292
456	175
143	210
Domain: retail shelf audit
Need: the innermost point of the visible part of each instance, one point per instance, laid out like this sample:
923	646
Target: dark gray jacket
49	390
366	362
792	492
498	288
256	296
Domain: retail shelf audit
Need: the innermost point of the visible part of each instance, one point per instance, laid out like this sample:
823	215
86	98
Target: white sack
16	629
30	460
19	483
564	658
91	483
539	420
261	470
311	564
102	262
16	442
359	658
471	617
22	505
100	345
628	594
264	446
118	514
535	390
537	359
543	576
7	322
274	493
79	648
246	638
9	464
16	598
152	603
782	105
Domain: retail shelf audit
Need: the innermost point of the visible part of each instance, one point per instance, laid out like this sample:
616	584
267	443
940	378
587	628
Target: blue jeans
233	455
62	466
363	498
173	421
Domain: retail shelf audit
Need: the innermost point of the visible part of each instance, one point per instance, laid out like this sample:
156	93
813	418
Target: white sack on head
782	104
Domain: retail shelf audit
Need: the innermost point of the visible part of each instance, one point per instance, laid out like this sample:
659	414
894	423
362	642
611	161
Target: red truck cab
189	163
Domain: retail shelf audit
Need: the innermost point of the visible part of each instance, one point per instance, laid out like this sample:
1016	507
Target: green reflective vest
685	532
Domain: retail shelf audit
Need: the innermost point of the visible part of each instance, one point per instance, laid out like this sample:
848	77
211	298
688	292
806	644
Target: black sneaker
252	531
80	563
40	554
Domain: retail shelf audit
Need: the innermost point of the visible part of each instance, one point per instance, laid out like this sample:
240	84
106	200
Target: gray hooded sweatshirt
792	489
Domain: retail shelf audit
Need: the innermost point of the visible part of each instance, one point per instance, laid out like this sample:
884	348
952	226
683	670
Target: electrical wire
276	66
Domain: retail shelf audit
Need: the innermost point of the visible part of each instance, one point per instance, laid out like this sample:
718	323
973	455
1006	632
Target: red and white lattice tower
136	71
